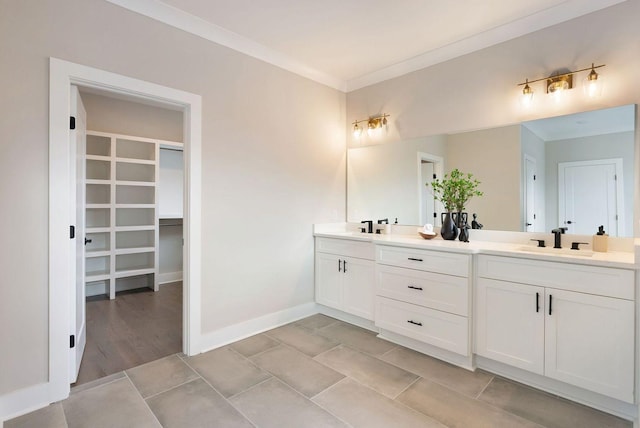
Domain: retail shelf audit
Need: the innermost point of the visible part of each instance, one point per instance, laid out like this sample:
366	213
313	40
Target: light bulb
592	84
357	131
527	95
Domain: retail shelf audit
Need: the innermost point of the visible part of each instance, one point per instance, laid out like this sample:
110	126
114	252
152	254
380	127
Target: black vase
449	230
463	226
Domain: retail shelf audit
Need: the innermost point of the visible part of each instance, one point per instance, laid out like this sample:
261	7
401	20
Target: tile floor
317	372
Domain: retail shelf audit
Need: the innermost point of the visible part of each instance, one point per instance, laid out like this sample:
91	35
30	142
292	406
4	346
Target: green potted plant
454	191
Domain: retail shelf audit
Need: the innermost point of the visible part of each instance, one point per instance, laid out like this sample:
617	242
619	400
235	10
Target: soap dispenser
601	241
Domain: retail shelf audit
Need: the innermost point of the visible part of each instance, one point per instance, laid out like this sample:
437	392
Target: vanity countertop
616	259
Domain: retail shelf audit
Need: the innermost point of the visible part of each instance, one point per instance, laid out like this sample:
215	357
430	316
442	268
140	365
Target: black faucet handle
383	221
369	224
576	245
541	243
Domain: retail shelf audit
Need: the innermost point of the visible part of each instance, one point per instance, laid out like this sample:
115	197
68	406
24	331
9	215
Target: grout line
477	397
407	387
250	388
142	398
171	388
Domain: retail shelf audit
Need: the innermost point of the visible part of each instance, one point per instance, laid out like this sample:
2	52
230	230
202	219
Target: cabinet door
359	287
590	342
329	279
510	323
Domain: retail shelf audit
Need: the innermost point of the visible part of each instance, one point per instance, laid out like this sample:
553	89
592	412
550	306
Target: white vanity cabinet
569	322
424	295
345	276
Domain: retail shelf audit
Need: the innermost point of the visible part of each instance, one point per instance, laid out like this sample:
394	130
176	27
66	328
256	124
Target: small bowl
427	235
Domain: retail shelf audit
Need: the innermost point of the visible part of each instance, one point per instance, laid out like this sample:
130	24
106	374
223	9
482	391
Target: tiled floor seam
99	385
250	388
172	388
142	398
407	387
477	397
207	382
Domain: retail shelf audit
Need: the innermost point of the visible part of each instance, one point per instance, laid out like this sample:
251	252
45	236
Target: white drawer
433	290
447	331
432	261
566	276
345	247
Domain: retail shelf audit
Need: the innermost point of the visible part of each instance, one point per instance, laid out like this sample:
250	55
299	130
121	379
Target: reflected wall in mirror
574	171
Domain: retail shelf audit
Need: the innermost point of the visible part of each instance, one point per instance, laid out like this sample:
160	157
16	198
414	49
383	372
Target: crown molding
156	9
182	20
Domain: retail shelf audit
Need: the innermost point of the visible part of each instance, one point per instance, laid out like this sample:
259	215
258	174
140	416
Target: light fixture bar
371	119
554	76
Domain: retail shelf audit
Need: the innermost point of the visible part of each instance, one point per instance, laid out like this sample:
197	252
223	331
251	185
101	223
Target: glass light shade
357	131
592	86
527	96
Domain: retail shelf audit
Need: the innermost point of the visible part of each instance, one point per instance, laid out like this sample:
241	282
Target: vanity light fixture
374	124
559	82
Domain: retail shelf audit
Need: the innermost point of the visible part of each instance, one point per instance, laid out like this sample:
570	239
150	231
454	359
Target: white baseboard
168	277
232	333
23	401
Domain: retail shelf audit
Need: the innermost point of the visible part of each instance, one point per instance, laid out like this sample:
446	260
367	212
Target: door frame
527	158
62	74
438	168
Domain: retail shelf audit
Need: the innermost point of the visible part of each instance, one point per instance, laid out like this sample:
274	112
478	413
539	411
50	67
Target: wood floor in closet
136	327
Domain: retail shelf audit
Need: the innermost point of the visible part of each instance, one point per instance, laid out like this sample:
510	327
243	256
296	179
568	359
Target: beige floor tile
456	378
316	321
195	404
546	409
456	410
274	404
357	338
116	404
360	406
254	345
51	416
370	371
302	339
160	375
94	383
228	372
297	370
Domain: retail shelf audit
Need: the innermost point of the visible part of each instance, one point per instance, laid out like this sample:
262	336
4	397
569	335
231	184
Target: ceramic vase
449	230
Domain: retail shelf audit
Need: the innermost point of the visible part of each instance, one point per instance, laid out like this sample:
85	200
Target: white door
77	165
590	195
510	323
529	194
359	287
590	342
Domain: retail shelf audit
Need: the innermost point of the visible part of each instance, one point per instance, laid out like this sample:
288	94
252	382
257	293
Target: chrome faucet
557	236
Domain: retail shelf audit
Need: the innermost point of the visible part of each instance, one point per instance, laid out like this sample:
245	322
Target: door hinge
615	177
534	216
435	215
72	232
434	176
534	177
72	122
72	341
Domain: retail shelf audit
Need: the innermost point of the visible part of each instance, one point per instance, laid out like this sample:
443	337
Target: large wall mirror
575	171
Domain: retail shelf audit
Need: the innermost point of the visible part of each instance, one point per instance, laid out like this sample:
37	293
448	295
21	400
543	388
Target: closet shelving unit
121	217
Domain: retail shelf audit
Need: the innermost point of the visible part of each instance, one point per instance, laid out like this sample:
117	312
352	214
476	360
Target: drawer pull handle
339	265
414	322
537	302
550	297
413	287
415	259
344	266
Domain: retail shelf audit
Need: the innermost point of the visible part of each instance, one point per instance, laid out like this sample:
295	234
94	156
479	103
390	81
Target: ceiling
349	44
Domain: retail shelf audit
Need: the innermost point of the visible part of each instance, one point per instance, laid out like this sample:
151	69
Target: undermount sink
556	251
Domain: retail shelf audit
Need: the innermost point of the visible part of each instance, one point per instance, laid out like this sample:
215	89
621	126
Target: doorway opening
62	202
430	167
129	222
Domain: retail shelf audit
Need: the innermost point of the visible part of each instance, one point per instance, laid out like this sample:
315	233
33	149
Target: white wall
493	157
478	90
382	181
270	168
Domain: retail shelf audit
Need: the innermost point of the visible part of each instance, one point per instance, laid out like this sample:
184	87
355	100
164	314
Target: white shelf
96	206
98	158
97	229
97	277
135	183
101	253
151	206
137	161
134	272
121	251
97	181
133	228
